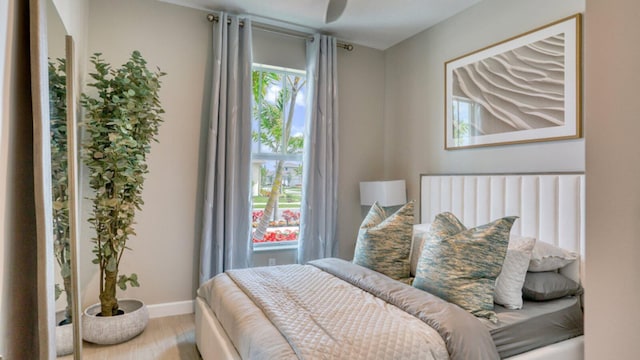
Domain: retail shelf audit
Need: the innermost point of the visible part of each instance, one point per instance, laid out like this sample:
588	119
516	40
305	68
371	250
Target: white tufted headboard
551	206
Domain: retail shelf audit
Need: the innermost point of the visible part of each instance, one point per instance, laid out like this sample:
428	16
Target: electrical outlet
272	262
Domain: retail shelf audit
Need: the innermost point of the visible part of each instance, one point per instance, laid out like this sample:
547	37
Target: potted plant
60	200
121	120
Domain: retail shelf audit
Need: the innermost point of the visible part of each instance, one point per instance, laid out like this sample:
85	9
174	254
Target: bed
235	320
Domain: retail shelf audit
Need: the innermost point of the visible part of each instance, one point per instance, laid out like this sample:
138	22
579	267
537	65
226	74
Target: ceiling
379	24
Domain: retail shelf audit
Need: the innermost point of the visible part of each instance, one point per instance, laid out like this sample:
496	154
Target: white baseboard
170	309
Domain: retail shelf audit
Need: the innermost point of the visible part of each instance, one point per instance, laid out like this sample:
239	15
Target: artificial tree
59	178
122	117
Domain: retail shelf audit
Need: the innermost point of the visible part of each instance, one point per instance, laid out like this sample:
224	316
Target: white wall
277	50
165	251
361	89
75	15
613	174
414	113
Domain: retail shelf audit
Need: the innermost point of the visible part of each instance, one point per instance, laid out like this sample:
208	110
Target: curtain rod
340	44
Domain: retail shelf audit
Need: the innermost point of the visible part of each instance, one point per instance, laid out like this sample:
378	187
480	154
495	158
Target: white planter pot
64	336
115	329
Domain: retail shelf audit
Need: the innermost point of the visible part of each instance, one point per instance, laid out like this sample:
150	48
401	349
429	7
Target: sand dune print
520	89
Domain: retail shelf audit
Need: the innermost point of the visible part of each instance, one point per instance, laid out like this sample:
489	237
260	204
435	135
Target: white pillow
508	291
548	257
419	234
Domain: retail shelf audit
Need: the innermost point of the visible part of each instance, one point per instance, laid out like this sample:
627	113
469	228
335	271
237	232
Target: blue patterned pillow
445	224
460	265
384	242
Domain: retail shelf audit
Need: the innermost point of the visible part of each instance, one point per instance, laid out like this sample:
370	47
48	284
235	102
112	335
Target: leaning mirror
61	126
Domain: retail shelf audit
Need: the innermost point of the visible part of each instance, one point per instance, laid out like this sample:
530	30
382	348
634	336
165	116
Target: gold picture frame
523	89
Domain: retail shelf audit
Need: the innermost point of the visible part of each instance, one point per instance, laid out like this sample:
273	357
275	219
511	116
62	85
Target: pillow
548	257
420	231
446	222
461	266
421	228
509	283
384	242
548	285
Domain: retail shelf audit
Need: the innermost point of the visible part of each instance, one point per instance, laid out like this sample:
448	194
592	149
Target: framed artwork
524	89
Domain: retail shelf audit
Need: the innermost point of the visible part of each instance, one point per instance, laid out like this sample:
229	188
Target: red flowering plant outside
256	215
291	217
284	229
278	235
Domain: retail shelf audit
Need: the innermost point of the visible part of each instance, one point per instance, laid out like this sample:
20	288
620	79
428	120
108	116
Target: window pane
284	221
277	134
467	117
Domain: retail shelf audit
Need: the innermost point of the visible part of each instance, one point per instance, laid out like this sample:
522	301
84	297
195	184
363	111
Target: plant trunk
261	229
68	314
274	217
108	301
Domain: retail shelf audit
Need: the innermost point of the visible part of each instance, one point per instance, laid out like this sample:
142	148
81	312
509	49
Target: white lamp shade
386	193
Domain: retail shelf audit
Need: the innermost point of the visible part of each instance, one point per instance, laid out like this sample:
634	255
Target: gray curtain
21	285
225	242
319	205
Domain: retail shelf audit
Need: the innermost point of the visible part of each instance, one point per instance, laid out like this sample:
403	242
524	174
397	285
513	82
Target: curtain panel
319	205
22	334
226	231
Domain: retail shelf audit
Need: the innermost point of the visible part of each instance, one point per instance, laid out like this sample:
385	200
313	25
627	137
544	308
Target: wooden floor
167	338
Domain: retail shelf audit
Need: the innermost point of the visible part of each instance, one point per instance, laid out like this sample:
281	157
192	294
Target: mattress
537	324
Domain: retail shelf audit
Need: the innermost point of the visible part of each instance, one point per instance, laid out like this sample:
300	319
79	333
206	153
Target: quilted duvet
333	309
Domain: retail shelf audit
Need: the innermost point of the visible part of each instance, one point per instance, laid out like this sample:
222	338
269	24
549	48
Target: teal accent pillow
461	265
445	224
384	241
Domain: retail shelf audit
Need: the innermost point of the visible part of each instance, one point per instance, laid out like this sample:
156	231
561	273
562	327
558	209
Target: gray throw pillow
384	242
548	285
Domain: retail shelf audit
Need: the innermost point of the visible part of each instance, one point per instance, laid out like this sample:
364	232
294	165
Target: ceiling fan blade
334	10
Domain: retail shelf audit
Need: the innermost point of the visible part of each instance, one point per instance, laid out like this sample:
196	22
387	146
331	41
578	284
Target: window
466	117
276	165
